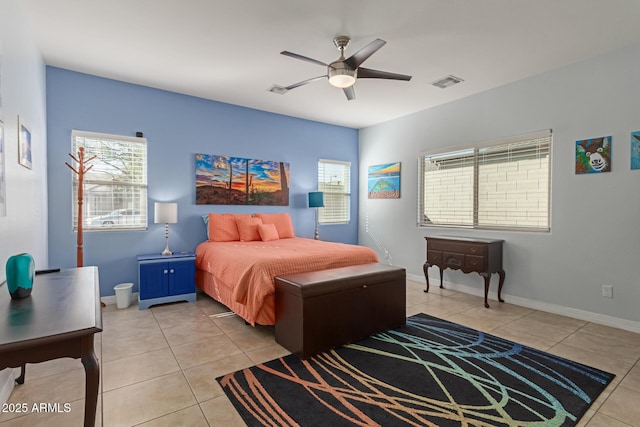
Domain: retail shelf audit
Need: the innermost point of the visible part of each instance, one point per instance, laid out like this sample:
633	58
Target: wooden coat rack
80	170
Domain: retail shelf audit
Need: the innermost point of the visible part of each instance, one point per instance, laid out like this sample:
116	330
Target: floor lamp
316	200
166	213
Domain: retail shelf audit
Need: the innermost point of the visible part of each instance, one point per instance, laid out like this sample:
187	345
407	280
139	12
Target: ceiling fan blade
350	93
360	56
304	82
303	58
367	73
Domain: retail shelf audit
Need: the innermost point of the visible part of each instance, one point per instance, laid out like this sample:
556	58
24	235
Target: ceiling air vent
446	82
280	90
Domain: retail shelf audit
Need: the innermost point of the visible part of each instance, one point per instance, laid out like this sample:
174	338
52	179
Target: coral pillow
268	232
248	228
282	221
223	227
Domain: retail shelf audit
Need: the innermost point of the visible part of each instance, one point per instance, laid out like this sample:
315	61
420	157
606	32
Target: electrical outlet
607	291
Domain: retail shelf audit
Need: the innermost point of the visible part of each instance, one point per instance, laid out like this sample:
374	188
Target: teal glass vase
20	273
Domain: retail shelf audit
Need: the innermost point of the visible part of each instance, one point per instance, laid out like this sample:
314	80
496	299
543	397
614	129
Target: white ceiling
229	50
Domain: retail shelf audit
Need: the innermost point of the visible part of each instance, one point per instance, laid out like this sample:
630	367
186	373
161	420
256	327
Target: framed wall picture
593	155
383	181
24	145
635	150
224	180
3	191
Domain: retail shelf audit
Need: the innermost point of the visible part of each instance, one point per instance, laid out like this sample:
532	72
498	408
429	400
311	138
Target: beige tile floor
159	365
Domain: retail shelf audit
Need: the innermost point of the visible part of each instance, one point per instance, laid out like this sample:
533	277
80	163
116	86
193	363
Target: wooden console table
59	319
483	256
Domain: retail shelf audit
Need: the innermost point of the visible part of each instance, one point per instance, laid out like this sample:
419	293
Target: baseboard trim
588	316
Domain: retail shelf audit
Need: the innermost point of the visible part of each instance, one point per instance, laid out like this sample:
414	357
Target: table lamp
166	213
316	200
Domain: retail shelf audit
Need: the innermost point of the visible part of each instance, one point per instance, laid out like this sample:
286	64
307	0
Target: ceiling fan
342	73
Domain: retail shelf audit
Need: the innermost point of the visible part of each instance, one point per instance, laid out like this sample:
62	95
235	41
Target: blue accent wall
177	127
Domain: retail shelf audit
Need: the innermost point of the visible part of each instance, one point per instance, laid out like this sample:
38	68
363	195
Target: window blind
513	184
115	188
500	184
334	181
448	188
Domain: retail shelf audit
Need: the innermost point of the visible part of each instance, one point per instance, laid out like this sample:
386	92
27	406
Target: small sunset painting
384	181
224	180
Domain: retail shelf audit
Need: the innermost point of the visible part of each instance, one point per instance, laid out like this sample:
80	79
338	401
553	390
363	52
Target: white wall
24	228
595	232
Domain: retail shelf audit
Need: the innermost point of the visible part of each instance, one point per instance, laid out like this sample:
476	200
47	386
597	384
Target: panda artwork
593	155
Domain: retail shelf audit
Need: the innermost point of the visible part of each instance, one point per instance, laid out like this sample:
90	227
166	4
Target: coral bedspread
242	273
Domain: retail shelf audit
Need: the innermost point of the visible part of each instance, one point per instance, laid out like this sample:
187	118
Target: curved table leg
501	274
92	380
23	371
487	279
441	274
425	267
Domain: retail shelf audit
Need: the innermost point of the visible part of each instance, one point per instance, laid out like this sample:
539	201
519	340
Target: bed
240	273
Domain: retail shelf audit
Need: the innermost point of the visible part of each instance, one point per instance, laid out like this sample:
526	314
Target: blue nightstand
163	279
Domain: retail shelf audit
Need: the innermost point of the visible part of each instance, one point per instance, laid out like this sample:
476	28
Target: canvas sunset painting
384	181
224	180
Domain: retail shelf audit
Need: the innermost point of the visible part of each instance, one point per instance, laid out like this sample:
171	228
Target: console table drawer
460	248
452	260
434	257
474	263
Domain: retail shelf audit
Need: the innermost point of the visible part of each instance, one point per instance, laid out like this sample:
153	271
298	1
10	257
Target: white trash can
123	294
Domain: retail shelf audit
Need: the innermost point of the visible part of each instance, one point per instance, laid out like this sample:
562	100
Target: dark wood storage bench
319	310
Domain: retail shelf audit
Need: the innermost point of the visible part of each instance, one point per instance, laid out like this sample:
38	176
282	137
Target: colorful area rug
430	372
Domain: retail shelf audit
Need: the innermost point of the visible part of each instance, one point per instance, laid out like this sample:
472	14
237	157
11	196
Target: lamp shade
165	213
316	199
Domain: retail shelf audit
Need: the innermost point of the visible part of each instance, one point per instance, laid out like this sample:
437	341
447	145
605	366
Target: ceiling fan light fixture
342	81
341	75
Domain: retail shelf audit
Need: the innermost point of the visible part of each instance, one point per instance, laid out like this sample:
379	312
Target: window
335	182
115	186
501	185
